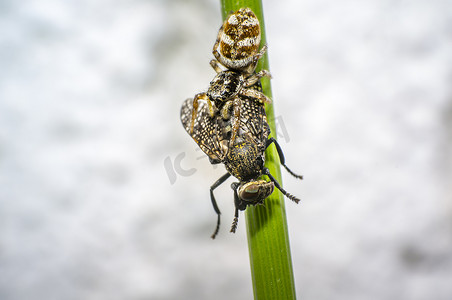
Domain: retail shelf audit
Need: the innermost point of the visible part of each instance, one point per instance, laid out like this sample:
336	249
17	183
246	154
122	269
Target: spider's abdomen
239	40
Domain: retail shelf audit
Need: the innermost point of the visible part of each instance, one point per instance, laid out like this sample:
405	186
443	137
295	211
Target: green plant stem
268	240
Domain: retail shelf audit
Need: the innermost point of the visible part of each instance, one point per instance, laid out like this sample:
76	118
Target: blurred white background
104	196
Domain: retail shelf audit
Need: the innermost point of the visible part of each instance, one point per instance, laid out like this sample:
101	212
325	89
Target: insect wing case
253	121
245	159
206	133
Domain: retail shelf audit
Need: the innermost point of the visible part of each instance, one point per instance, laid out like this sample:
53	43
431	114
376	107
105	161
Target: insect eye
250	193
253	188
255	192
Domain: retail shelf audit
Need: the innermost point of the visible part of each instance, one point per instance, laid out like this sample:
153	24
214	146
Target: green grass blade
268	240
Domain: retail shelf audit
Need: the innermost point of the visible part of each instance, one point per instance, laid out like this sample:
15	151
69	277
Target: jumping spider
238	40
244	158
236	49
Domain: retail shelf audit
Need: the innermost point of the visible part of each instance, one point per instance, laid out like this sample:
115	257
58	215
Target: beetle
244	158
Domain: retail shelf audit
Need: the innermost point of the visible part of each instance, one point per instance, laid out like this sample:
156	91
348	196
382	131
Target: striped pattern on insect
238	41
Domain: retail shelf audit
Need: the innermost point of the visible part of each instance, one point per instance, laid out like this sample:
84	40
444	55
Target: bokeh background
104	196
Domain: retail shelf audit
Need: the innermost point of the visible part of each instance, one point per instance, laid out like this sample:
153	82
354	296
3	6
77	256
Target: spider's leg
261	53
237	104
251	80
215	64
217	44
254	94
194	113
225	114
252	66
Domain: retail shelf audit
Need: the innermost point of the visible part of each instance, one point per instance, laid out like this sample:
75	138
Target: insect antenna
292	173
236	201
285	193
235	221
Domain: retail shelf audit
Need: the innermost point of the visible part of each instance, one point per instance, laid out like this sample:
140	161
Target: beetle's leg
281	156
214	202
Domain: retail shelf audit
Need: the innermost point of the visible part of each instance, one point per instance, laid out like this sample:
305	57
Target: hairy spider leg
194	113
216	65
256	95
251	80
236	122
215	46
